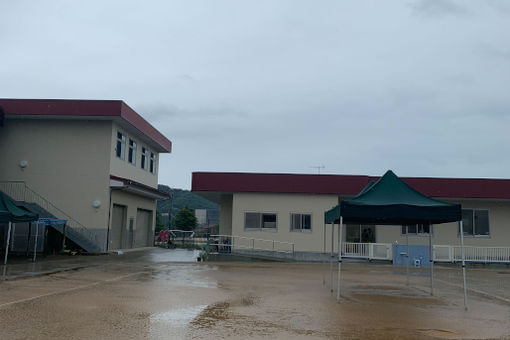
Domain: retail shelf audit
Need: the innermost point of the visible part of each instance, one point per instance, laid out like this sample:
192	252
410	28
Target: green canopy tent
390	201
11	213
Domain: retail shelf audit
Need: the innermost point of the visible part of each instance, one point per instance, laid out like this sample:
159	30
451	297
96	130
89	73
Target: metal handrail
253	240
47	205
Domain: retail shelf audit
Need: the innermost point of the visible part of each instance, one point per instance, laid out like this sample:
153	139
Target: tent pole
8	242
340	227
463	264
431	261
332	256
323	258
407	255
35	241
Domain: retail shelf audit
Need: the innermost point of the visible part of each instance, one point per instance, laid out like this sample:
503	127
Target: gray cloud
439	7
279	86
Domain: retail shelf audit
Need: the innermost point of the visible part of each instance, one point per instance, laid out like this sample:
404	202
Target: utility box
418	256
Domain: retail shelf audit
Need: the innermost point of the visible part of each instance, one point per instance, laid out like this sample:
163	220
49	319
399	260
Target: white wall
284	205
132	203
68	164
447	233
123	168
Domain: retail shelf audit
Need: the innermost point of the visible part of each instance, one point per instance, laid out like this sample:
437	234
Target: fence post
253	244
370	251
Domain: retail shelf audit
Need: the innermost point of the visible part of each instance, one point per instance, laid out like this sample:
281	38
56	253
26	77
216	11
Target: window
144	158
121	145
262	221
152	163
416	229
475	222
132	152
357	233
301	222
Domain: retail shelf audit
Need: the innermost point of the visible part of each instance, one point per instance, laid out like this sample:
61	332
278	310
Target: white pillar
340	227
323	257
35	241
332	256
463	264
431	261
407	255
8	242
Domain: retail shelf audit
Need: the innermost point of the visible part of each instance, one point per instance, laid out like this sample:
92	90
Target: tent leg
35	241
323	258
332	257
8	242
407	255
431	261
340	227
463	264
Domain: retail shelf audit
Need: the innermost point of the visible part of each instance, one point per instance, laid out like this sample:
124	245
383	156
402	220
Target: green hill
182	198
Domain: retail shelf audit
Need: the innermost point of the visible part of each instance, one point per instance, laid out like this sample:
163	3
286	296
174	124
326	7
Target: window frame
360	231
431	230
132	148
260	228
474	235
152	162
120	141
291	222
144	162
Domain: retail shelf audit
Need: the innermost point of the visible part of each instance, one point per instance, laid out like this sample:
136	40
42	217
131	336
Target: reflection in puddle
188	276
177	317
175	255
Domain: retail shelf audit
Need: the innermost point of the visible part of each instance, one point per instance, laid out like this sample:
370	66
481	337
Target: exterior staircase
75	231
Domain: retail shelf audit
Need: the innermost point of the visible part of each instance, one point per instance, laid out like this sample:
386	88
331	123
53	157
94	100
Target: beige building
93	163
290	208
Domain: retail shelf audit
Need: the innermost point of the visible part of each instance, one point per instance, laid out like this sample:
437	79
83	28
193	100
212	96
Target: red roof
85	108
348	185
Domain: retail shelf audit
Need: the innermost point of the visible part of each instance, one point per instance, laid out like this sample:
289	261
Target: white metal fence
370	251
472	254
442	253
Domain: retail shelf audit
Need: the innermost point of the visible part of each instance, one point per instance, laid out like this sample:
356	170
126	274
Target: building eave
346	185
133	187
115	110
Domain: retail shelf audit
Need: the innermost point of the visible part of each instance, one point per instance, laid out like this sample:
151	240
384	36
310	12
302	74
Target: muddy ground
144	295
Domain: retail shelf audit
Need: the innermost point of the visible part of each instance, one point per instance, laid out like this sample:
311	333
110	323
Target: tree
185	219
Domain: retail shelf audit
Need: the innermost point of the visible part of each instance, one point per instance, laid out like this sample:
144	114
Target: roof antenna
318	167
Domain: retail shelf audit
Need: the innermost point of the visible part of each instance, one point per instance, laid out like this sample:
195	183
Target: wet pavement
156	294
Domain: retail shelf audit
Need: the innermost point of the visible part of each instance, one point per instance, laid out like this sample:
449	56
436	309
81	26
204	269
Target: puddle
177	317
175	255
185	275
407	300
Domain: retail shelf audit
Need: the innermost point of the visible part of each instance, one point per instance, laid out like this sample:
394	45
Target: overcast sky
419	87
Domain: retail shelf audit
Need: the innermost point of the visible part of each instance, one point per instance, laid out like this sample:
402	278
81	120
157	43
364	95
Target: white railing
446	253
19	191
370	251
442	253
230	243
